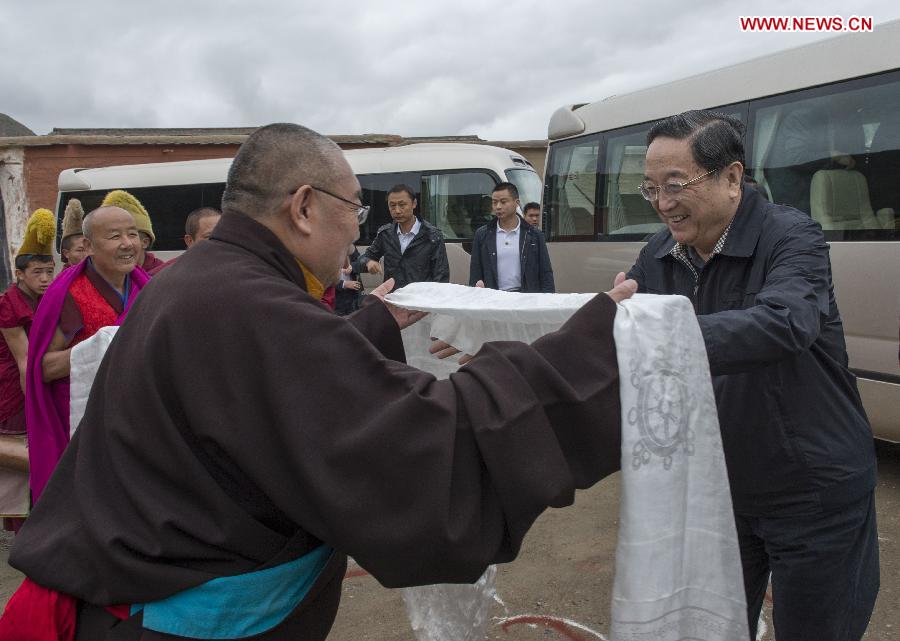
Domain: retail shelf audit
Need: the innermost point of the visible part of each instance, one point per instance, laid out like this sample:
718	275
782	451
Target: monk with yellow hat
72	243
120	198
34	272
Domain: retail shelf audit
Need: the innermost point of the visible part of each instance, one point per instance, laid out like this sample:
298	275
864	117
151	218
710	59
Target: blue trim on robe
231	607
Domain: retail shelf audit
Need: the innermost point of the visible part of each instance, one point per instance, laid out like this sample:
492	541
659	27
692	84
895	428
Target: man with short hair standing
531	212
511	255
198	226
413	249
797	442
95	293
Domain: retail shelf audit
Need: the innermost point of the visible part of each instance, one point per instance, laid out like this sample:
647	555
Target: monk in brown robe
217	469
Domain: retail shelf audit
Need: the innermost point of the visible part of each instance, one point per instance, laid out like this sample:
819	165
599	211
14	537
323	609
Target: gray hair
274	161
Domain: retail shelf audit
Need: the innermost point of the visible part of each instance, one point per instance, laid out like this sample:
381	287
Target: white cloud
496	69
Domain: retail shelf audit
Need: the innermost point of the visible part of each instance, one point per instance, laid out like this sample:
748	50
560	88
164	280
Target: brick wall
43	164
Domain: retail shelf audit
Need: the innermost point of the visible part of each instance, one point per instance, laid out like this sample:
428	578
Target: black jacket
795	434
537	272
425	259
347	301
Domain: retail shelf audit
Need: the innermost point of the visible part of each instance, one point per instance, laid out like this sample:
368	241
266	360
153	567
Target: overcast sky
495	69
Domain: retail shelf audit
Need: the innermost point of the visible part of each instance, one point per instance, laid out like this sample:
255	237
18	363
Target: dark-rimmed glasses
651	192
362	211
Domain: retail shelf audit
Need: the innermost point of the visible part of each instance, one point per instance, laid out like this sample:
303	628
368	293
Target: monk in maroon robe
219	466
34	274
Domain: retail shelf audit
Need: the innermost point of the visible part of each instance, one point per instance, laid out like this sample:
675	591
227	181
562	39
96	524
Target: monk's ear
301	209
88	246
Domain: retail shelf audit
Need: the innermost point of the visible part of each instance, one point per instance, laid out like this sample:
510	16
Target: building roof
215	136
12	127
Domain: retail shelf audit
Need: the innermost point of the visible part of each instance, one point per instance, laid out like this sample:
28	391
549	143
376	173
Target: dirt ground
560	586
565	572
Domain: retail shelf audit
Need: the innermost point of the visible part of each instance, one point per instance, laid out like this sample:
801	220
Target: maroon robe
221	443
16	310
151	262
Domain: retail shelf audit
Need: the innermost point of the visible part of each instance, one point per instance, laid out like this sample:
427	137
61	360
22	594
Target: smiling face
699	214
114	242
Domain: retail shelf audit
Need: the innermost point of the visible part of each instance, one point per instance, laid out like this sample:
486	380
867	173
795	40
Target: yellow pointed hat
72	219
121	198
40	232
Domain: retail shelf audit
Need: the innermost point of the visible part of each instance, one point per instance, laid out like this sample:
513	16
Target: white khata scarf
678	570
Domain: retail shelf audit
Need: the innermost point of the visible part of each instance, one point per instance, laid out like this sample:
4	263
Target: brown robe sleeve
374	321
421	481
425	481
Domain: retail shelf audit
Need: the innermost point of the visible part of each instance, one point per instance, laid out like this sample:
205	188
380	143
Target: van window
528	183
833	154
623	172
457	203
168	207
570	196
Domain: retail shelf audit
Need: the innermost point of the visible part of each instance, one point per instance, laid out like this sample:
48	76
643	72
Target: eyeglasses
362	211
651	192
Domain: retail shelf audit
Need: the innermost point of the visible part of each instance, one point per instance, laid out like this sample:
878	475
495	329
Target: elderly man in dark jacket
510	254
797	441
413	249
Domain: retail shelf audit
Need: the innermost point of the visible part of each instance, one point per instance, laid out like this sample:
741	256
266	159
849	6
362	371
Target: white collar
512	231
415	228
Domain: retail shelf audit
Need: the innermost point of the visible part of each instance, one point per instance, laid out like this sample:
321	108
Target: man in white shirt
532	214
511	255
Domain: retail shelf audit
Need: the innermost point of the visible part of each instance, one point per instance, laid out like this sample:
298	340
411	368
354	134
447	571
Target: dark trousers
824	567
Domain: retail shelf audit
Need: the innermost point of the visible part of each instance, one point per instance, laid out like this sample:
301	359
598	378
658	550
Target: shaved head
274	161
99	214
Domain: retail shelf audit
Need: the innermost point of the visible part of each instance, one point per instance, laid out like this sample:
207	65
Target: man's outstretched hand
404	317
622	288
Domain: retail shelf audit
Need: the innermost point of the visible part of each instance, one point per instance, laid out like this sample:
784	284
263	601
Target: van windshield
528	183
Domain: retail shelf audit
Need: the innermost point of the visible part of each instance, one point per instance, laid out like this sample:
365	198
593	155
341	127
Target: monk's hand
445	350
374	267
404	317
622	288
